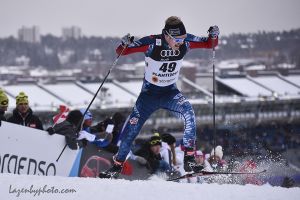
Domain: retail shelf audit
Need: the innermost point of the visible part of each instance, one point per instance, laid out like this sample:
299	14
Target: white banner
25	150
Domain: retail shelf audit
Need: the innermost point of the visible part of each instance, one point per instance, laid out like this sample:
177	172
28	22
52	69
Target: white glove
86	135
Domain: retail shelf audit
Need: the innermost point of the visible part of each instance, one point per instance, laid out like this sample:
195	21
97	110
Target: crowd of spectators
76	125
22	114
158	153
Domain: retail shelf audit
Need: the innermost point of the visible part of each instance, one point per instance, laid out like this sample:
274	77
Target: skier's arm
140	45
204	42
201	42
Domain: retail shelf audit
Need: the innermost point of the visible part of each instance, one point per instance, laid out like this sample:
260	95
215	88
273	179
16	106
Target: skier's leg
182	108
143	108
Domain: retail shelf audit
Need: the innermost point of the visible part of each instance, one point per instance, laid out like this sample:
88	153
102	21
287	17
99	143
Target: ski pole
214	102
80	124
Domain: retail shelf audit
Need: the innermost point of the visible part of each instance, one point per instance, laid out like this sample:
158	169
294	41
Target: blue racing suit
159	87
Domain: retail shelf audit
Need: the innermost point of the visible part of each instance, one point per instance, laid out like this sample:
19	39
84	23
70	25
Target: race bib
162	73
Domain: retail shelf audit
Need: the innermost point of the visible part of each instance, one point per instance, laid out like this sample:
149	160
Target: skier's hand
127	40
213	32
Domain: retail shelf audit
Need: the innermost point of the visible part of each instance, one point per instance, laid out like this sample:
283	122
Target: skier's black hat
175	30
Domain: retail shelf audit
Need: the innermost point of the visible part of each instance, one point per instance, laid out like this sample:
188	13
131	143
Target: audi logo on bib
169	53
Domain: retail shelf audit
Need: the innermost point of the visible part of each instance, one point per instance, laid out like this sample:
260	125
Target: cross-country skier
164	56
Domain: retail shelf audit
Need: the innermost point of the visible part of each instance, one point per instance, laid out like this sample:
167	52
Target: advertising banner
25	150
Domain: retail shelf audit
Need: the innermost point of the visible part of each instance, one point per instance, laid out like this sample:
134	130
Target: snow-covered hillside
15	186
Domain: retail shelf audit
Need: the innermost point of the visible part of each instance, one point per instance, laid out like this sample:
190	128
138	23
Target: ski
206	173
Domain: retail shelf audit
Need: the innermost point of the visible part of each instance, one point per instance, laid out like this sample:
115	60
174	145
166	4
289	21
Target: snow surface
278	85
245	86
117	95
71	93
38	98
134	86
92	188
293	78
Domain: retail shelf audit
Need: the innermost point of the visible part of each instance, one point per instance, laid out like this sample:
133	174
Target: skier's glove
213	32
127	40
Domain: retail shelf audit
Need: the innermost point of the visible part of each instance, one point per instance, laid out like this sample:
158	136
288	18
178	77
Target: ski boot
190	163
114	171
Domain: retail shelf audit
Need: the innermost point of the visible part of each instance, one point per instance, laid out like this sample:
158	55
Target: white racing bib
162	73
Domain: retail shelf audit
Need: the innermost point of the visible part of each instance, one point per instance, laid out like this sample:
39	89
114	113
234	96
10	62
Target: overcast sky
139	17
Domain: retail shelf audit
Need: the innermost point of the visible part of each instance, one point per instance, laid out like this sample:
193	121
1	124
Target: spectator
215	160
118	120
23	114
171	141
102	130
3	105
87	120
69	129
165	151
200	160
150	156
